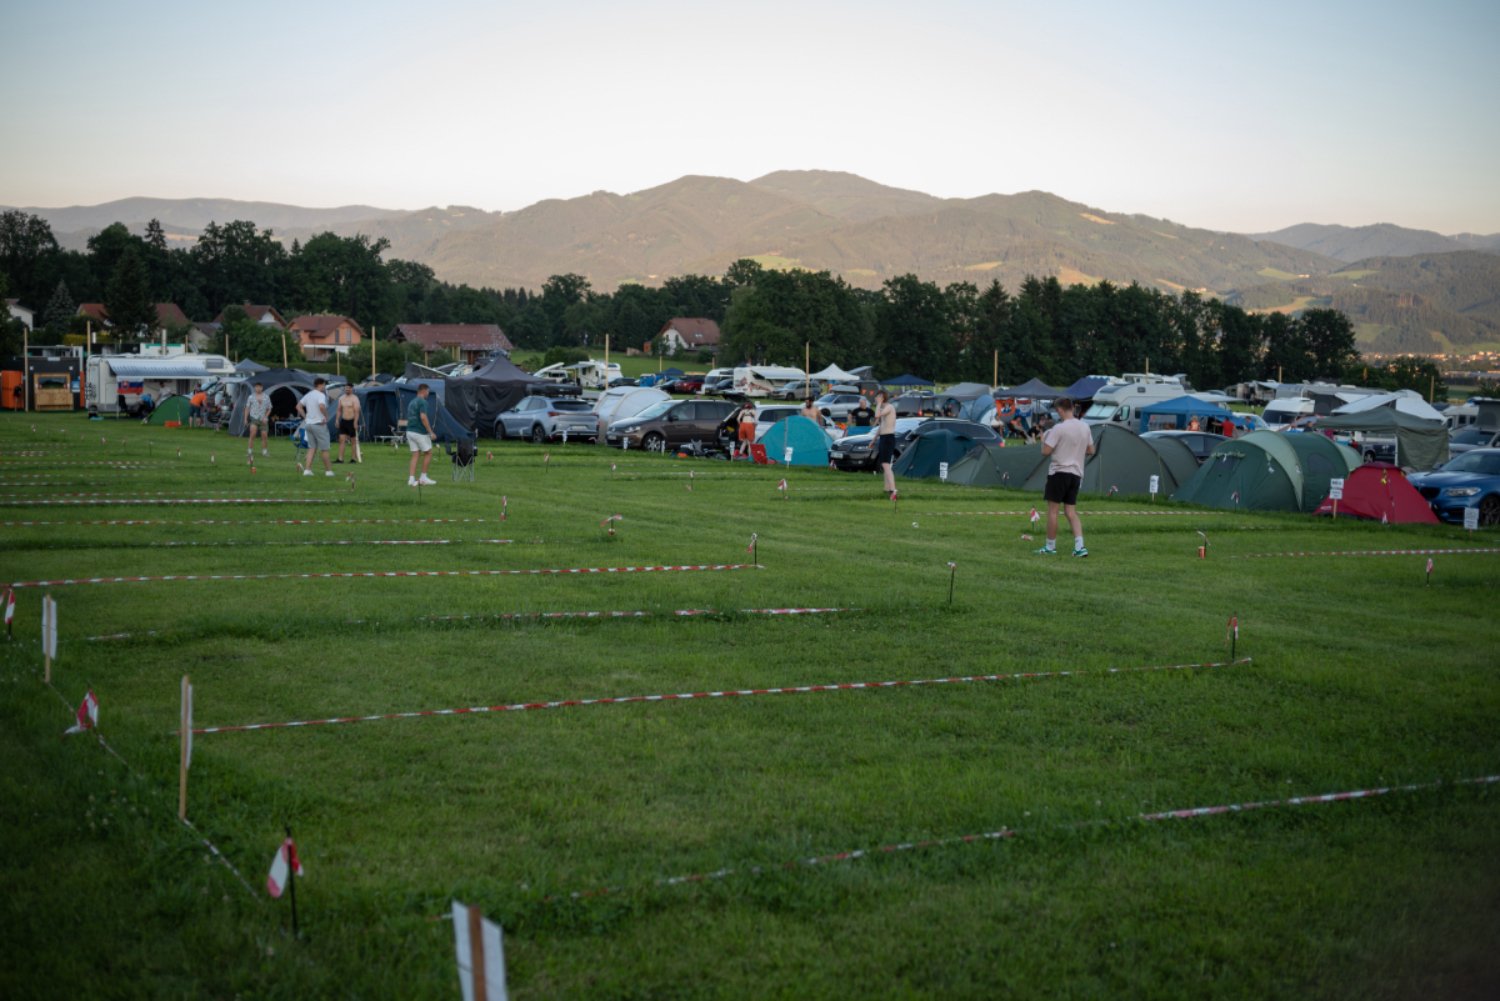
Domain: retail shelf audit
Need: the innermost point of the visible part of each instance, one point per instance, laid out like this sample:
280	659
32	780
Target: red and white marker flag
87	714
480	951
285	865
1233	630
1429	578
504	503
756	535
10	607
1034	516
782	485
1113	490
613	517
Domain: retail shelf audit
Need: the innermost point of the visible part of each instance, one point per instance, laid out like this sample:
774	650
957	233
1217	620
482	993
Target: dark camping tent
925	453
1268	471
808	442
248	366
908	380
385	406
475	400
1381	492
1122	463
285	386
1084	389
966	391
1178	412
1420	444
1032	389
1178	459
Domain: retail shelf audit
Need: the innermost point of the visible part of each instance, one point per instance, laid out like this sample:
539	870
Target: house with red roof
689	333
323	334
467	341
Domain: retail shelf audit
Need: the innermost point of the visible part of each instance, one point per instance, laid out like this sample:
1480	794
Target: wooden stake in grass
952	574
49	636
1203	548
185	746
504	503
609	523
1233	634
755	560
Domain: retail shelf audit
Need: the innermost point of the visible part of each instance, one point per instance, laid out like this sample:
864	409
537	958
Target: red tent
1381	492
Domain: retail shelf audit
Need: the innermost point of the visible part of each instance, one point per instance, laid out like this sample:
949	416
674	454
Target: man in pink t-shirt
1069	443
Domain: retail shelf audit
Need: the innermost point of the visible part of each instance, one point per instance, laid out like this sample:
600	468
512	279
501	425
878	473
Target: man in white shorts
314	410
419	437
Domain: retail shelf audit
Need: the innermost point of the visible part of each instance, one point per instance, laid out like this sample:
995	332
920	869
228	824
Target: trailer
116	383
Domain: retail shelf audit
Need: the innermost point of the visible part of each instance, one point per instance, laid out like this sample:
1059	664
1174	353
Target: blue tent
384	405
1176	412
809	443
908	380
1086	388
926	452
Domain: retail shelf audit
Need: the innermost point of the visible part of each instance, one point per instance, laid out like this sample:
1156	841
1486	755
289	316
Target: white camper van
110	378
589	374
759	380
1282	413
1120	402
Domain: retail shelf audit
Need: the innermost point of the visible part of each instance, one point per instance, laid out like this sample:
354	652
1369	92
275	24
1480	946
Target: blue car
1468	480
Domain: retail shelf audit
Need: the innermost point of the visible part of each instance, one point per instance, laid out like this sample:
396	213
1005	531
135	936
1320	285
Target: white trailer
108	379
759	380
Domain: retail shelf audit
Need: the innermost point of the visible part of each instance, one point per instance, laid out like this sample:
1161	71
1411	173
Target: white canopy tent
834	374
1405	402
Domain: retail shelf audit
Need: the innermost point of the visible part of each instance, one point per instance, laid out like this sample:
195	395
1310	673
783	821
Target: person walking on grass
313	407
419	435
885	439
1069	443
744	430
348	412
258	418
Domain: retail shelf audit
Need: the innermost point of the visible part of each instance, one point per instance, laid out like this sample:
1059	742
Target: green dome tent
1178	459
1258	472
1322	460
173	408
925	453
987	465
1122	463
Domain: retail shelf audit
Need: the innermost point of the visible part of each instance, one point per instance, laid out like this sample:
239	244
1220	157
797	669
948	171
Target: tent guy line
1371	552
350	574
845	686
1004	833
258	521
127	502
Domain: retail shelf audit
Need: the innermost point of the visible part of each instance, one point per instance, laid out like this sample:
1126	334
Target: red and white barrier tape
1091	513
113	495
349	574
843	686
1011	832
518	616
7	502
252	521
345	542
1372	552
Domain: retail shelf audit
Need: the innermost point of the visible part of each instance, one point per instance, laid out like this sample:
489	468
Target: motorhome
113	380
760	380
1119	402
1283	412
589	374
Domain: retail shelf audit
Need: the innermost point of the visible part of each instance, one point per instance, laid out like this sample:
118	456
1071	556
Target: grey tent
1033	389
966	391
285	386
383	406
249	366
1178	459
1420	444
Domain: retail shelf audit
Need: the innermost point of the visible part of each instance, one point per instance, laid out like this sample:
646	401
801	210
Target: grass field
1362	677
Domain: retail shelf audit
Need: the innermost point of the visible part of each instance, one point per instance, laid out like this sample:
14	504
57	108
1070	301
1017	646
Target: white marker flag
480	953
49	627
10	607
1155	485
187	722
943	471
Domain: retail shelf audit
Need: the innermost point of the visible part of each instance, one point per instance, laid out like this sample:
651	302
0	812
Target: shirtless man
348	417
885	439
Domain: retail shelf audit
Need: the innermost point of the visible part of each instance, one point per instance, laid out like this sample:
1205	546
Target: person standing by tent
348	412
258	418
1069	443
885	439
419	435
744	430
199	403
862	416
313	408
811	412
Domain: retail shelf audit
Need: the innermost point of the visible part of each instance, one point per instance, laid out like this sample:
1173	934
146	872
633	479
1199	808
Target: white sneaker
264	452
327	472
426	482
411	481
307	472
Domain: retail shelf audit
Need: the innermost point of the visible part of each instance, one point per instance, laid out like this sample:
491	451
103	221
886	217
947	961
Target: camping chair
299	440
398	438
463	453
758	453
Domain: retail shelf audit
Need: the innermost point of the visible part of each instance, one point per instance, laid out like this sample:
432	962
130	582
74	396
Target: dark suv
671	423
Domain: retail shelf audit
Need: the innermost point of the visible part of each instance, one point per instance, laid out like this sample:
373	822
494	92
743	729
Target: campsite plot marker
786	456
185	747
1336	493
754	538
49	635
1471	519
1429	573
943	471
504	503
610	523
952	573
9	601
546	461
1233	633
782	487
1203	549
1155	486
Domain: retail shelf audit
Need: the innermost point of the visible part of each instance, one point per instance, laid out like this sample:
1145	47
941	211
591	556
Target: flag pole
185	734
291	880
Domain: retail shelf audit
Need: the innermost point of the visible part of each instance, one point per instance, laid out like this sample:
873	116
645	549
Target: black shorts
885	449
1062	488
346	428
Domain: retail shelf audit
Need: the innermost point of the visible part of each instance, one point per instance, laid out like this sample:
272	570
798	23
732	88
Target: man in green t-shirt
419	435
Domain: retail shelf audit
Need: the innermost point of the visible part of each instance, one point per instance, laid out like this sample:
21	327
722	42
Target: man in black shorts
1069	443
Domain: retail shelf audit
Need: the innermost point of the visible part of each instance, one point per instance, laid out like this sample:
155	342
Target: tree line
949	333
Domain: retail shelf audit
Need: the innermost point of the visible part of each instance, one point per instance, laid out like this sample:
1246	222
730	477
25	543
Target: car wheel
500	430
537	434
1489	511
654	442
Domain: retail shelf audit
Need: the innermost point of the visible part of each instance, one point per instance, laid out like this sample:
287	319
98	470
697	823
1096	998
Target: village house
468	342
322	334
689	334
262	314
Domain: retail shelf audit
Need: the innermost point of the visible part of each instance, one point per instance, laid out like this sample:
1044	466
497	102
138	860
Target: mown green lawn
564	824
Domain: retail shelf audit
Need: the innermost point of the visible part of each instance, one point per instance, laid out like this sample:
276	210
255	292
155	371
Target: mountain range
1406	289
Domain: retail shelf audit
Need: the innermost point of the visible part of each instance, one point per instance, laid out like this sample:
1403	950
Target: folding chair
758	453
299	440
399	438
463	454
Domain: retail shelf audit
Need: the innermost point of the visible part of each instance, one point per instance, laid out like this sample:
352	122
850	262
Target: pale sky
1245	117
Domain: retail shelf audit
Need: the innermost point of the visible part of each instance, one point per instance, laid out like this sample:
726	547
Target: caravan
760	380
1120	402
589	374
117	382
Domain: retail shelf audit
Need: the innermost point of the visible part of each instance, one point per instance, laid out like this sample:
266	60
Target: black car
856	452
981	433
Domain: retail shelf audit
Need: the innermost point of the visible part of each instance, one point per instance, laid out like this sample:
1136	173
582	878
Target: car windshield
1484	463
654	411
1100	412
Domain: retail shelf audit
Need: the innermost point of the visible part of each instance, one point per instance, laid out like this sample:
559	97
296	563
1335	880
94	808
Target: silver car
547	418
